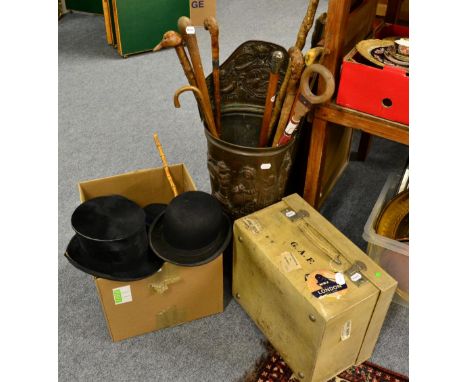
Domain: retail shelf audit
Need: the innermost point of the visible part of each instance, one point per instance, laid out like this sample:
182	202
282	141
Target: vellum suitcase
318	298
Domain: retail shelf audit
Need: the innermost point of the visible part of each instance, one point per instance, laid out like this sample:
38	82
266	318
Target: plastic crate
390	254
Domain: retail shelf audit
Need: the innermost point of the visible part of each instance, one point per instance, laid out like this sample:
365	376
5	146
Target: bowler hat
111	240
193	230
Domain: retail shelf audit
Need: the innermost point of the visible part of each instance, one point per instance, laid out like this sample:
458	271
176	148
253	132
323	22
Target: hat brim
190	258
86	263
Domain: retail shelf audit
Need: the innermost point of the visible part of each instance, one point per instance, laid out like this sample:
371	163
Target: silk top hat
111	240
193	230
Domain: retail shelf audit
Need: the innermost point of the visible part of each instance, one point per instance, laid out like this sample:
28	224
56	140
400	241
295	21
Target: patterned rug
273	369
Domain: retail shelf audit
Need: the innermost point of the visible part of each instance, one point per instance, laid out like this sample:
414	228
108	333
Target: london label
324	283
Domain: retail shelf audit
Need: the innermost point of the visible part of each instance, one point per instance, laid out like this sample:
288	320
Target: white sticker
339	278
122	295
291	127
289	262
356	277
265	166
190	30
290	214
273	98
346	331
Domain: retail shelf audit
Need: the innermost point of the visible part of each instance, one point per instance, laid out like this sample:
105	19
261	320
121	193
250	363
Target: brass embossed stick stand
245	177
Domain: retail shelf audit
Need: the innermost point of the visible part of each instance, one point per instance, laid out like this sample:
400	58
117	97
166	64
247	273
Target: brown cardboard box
174	294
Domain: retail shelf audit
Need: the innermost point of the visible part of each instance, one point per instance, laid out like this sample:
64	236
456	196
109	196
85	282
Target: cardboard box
318	298
138	26
174	294
383	92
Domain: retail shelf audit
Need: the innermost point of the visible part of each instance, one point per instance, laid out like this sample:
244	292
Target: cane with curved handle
187	31
198	94
305	99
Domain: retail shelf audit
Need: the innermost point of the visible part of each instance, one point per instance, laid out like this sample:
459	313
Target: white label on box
289	262
339	278
265	166
190	29
346	331
356	277
122	295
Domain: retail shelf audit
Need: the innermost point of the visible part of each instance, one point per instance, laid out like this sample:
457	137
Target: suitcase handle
321	241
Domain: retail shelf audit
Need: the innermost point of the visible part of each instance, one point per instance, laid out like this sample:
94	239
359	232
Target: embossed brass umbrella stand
244	177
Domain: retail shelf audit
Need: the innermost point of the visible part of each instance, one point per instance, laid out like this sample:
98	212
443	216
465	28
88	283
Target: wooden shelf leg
364	146
315	162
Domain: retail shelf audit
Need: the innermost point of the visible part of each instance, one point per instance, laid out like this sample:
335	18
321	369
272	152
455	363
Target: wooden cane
312	55
300	42
305	99
172	39
166	167
211	25
209	119
297	65
275	65
187	30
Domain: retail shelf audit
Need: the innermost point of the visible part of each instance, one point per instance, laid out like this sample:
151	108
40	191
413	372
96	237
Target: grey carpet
109	108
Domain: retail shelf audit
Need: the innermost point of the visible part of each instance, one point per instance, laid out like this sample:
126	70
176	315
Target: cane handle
199	95
184	89
327	76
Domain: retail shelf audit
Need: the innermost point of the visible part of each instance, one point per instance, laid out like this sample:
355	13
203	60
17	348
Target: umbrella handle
199	96
304	86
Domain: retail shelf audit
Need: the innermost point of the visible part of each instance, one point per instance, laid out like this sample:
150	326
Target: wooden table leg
393	11
315	162
364	146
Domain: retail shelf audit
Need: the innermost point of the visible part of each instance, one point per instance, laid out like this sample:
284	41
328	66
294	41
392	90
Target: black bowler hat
193	230
111	240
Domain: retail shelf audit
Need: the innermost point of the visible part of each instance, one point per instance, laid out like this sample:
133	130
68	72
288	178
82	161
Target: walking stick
166	167
305	99
174	40
297	64
211	26
198	93
187	30
275	65
300	41
312	54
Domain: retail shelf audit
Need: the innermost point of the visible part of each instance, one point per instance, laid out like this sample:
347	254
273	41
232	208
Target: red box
383	92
